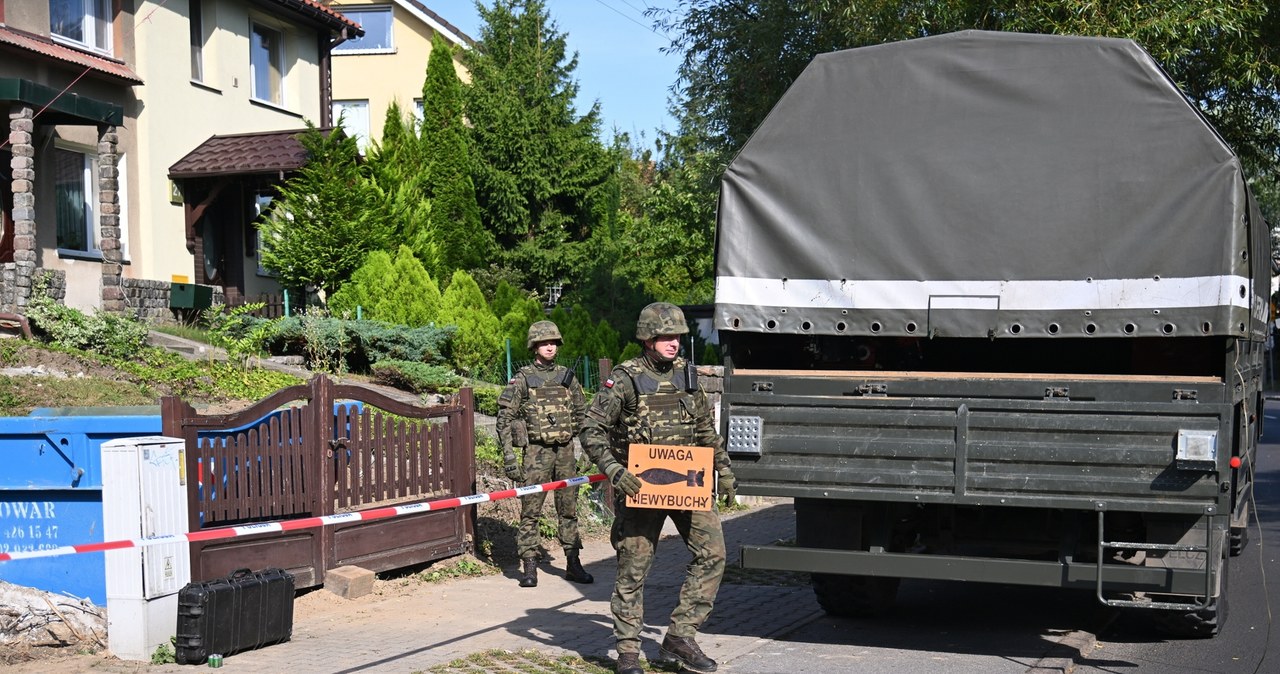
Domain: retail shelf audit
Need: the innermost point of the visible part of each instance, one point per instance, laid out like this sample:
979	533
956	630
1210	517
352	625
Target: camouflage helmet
542	331
660	318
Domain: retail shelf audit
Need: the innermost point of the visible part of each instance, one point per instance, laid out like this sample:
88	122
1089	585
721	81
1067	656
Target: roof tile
243	153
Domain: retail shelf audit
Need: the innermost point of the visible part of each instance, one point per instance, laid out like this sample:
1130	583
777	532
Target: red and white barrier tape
305	523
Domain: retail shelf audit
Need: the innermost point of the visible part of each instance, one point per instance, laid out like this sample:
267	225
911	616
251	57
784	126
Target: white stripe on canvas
1092	294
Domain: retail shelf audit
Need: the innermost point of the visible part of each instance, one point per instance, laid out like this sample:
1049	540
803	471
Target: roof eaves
437	23
321	14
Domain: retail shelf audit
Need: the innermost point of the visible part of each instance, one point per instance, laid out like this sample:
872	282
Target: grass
19	395
184	331
528	661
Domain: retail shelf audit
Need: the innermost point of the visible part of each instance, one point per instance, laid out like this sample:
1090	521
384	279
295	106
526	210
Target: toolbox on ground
243	611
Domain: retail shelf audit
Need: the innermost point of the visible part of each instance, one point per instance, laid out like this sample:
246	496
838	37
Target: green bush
487	451
416	377
105	333
487	399
379	341
357	344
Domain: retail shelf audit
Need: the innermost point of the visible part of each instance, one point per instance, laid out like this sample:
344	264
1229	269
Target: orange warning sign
672	477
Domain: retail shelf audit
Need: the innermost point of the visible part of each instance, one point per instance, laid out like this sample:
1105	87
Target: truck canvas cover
981	184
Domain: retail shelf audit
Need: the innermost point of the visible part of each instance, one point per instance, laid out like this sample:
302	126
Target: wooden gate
320	449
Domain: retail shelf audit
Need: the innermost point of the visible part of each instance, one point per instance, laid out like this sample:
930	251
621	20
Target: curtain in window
70	199
66	18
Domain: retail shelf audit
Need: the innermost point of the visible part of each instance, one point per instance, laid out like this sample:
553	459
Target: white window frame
351	47
255	27
353	127
92	215
96	24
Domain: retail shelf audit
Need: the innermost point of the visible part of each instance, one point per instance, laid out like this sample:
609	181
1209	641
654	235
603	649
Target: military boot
573	570
529	573
629	663
684	652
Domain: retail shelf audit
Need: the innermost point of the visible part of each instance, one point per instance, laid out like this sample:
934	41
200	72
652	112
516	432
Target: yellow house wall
176	114
383	78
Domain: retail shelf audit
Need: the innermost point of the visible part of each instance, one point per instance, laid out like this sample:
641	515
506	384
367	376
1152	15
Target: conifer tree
477	343
463	242
327	218
540	167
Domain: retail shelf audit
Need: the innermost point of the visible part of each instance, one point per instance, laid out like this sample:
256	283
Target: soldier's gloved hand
623	480
728	486
511	467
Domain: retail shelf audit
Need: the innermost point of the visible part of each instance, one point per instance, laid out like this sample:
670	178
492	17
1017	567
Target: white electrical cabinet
144	495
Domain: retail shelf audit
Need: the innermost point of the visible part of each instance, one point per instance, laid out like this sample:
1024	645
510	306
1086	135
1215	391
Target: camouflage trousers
635	537
546	463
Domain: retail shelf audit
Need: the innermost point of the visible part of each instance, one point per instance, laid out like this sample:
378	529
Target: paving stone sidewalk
440	623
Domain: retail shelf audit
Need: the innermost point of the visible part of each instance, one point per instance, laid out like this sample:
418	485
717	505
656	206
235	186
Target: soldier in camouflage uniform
651	400
540	411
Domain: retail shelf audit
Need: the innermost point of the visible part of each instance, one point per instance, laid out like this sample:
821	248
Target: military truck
994	309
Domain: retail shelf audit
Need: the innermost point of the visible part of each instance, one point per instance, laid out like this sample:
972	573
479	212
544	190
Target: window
376	22
266	61
85	22
354	116
196	20
261	207
75	177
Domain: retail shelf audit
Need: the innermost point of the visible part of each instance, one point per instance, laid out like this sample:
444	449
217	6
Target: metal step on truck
994	308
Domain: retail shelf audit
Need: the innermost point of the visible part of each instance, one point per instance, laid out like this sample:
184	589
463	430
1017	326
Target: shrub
487	399
105	333
416	377
359	344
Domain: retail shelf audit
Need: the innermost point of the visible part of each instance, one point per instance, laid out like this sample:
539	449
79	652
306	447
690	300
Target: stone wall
147	300
14	295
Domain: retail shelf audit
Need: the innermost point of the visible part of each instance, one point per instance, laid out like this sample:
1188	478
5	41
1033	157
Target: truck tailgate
1054	441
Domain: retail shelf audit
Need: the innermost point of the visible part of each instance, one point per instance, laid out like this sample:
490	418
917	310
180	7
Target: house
68	91
388	63
104	102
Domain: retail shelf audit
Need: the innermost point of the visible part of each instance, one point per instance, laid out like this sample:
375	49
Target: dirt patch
21	359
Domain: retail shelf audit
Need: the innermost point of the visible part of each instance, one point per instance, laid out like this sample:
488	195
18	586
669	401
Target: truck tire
1203	623
855	596
817	526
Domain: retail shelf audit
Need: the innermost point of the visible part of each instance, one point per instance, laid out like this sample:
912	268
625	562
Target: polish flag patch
608	383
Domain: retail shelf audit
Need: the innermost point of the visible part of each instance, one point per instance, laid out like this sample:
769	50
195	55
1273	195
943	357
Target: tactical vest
666	412
549	410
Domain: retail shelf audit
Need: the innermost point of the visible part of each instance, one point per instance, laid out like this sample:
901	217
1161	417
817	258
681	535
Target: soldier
651	400
541	410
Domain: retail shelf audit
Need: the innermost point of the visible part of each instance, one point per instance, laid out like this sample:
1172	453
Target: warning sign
672	477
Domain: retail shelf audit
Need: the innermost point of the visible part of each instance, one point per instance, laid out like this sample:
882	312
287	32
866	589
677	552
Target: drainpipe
326	75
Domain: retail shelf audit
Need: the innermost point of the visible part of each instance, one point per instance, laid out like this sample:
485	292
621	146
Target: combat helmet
542	331
660	318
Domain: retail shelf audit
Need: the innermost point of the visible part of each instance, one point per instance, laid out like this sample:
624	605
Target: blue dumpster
51	488
51	492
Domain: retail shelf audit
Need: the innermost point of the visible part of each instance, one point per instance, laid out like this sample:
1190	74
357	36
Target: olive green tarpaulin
981	184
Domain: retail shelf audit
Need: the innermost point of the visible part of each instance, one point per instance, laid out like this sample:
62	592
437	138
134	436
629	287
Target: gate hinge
870	390
1057	392
1185	394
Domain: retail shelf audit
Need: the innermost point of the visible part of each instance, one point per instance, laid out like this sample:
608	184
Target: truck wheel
1204	623
839	526
855	596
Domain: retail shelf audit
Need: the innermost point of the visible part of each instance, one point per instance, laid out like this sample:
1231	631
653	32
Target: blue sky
619	59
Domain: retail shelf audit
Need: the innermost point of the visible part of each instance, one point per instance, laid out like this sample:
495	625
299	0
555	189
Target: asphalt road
972	627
